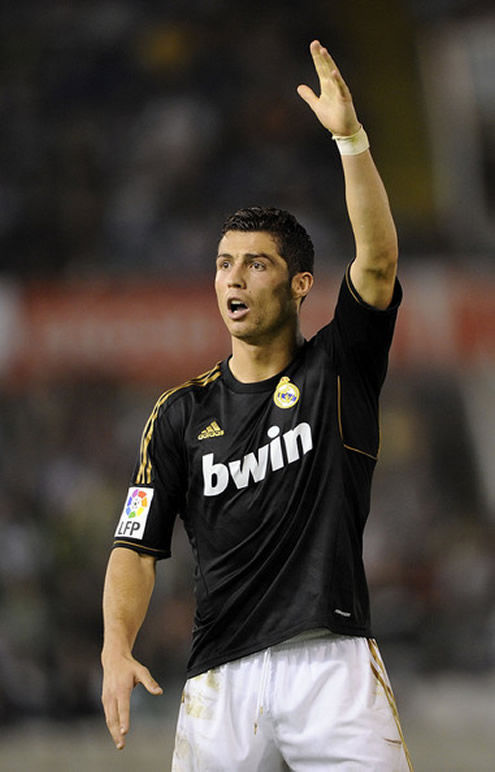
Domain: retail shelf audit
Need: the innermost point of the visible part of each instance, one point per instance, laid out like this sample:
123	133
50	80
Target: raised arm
129	583
374	268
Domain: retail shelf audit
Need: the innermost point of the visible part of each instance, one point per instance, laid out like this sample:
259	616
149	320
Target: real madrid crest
286	394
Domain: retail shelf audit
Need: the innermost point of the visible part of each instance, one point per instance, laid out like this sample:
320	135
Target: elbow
380	266
383	261
374	277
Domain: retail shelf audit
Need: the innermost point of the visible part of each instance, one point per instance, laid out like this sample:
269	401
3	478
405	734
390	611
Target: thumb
309	96
146	679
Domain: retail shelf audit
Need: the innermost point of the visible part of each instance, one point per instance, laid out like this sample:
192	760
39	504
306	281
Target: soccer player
268	460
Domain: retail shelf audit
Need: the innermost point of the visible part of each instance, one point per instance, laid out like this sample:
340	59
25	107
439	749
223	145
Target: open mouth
237	309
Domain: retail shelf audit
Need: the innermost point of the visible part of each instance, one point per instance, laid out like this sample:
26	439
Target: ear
301	284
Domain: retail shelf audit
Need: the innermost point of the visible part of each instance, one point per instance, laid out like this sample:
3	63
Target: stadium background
128	131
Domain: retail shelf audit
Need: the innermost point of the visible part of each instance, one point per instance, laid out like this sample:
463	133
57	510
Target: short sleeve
157	489
359	339
363	333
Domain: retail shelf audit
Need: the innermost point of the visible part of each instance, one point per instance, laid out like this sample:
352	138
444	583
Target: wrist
353	144
117	648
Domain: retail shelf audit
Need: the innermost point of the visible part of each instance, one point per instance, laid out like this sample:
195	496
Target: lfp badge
286	394
135	513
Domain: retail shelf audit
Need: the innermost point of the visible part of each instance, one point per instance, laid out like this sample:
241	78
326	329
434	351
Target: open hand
120	678
334	107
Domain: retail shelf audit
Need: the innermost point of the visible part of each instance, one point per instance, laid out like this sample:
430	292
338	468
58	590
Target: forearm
374	269
129	583
369	212
128	587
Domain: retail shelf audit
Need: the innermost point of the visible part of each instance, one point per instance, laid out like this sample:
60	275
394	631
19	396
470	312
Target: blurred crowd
68	452
129	130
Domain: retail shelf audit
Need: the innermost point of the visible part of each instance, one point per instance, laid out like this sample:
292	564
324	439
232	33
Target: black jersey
272	481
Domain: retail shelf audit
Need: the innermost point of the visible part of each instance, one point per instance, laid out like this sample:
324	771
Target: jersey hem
393	305
356	632
158	554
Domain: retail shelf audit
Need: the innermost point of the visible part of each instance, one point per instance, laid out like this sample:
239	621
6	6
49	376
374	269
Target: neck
252	362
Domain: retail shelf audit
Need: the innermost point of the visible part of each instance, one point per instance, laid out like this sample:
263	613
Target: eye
257	265
223	264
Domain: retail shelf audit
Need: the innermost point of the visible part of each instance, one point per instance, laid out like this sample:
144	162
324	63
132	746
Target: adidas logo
212	430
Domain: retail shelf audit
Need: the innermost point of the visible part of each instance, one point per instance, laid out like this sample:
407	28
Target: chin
247	336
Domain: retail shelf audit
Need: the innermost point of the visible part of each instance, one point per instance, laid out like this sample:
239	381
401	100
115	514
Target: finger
124	708
309	96
321	55
322	60
340	85
114	724
333	73
327	70
146	679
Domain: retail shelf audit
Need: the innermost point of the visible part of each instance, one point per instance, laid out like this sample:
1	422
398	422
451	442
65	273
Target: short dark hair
293	241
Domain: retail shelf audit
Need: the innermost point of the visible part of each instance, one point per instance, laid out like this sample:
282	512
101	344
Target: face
254	293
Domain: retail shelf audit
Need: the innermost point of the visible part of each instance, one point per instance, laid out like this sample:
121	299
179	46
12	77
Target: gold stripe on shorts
378	669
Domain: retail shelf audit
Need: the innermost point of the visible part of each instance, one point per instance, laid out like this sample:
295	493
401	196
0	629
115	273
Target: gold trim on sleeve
145	467
341	431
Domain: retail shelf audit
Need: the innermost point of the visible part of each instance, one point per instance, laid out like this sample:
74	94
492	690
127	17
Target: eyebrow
248	255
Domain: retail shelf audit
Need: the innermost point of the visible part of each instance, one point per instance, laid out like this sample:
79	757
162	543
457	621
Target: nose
236	276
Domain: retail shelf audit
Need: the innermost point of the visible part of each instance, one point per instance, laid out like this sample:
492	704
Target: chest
238	439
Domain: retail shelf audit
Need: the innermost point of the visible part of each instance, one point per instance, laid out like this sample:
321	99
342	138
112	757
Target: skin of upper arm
126	566
375	285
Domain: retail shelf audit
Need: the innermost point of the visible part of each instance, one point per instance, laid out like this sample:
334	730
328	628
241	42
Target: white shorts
319	704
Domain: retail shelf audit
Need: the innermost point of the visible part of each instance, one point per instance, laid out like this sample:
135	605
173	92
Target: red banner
166	334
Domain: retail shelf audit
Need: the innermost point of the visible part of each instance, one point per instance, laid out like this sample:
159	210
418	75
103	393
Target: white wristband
353	145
